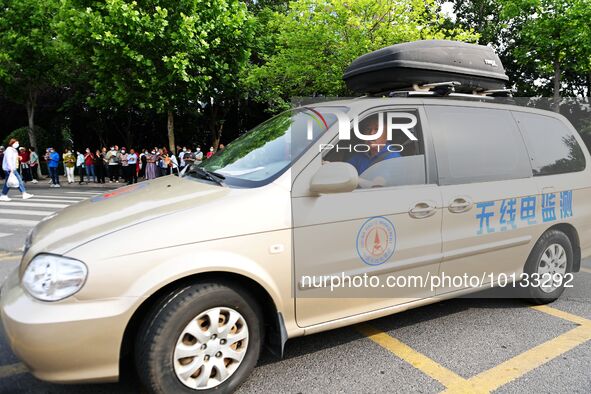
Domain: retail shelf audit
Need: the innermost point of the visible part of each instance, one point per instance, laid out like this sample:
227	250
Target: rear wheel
203	338
549	262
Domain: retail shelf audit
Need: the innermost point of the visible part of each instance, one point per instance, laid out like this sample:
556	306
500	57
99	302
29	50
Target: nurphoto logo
371	130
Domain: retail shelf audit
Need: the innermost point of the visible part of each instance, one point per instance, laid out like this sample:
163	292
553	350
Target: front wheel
550	260
203	338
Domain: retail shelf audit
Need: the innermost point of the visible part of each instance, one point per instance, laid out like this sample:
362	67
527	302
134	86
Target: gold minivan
189	277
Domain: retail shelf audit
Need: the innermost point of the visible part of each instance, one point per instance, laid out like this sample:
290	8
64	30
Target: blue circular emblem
376	241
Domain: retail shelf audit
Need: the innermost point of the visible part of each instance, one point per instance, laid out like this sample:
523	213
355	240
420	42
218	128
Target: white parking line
19	222
26	212
30	204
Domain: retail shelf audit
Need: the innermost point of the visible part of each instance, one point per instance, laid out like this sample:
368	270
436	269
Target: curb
44	184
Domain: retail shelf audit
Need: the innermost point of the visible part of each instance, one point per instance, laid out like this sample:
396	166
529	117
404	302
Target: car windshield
265	152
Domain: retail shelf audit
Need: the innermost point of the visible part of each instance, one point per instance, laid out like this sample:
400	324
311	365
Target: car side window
552	146
386	149
474	144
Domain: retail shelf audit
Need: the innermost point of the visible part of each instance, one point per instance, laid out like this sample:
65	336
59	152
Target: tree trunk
557	81
213	126
170	127
589	84
128	133
216	121
31	104
217	136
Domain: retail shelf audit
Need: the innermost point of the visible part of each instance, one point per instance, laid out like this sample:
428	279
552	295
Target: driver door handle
423	209
460	204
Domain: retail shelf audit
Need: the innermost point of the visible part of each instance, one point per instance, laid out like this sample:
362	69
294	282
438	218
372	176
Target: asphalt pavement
462	345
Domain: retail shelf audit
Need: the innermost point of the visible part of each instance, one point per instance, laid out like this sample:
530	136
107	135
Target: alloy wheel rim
210	348
553	263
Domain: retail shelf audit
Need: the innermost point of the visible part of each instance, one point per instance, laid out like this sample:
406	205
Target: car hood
118	209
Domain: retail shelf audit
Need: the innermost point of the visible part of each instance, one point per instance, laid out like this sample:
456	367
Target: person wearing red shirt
89	164
24	159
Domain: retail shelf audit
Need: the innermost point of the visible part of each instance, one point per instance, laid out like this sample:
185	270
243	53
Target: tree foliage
115	67
317	39
163	55
32	59
545	45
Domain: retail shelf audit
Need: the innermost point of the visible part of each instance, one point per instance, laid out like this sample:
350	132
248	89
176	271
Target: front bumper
68	341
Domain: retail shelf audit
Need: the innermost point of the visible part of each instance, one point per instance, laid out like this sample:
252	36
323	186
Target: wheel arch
572	233
275	331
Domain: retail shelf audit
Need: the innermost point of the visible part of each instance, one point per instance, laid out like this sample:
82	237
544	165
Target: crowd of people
114	165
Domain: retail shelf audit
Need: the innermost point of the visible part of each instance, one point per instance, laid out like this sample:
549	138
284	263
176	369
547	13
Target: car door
369	234
560	170
490	205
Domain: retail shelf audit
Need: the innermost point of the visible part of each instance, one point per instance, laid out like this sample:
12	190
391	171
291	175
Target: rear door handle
460	204
423	209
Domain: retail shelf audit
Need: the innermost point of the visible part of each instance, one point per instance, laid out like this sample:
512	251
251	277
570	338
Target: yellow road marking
561	314
7	371
495	377
418	360
525	362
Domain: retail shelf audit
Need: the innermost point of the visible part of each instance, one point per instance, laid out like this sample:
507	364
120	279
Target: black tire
533	293
158	335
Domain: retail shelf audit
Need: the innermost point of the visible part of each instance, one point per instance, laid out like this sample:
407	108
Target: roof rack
448	89
496	93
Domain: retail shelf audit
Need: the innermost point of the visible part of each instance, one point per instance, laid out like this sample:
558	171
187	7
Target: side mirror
336	177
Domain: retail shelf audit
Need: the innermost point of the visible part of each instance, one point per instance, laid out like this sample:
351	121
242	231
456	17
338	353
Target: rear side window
477	145
552	147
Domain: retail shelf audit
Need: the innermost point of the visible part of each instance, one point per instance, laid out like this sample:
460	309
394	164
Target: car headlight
52	278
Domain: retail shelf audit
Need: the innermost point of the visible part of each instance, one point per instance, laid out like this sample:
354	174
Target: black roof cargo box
400	66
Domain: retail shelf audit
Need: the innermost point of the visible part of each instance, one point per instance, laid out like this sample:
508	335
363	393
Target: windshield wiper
209	175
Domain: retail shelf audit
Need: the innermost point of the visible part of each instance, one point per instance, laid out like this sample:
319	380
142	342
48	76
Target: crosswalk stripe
26	212
61	197
31	204
91	193
35	199
5	234
19	222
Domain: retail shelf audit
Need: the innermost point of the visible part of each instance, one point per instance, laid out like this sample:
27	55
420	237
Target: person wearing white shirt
80	166
198	155
132	161
174	165
182	154
10	166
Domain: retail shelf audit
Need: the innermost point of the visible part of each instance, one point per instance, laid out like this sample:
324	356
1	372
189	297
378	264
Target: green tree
317	39
164	55
32	59
553	37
